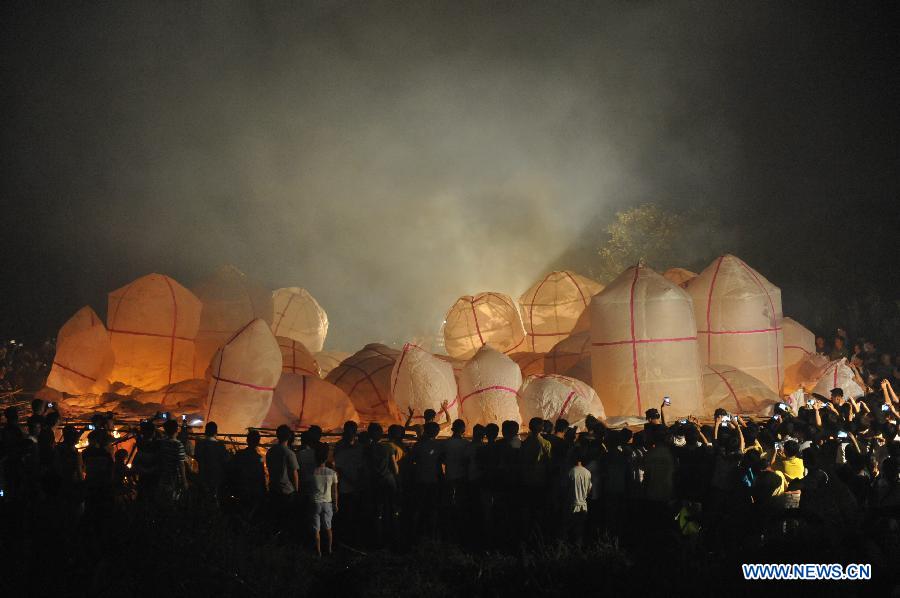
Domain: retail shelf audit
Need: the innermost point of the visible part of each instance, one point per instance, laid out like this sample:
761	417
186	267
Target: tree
645	232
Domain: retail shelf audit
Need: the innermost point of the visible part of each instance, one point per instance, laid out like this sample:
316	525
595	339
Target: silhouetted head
170	427
11	414
429	415
561	426
375	431
253	438
350	429
70	435
395	433
491	431
458	428
535	425
313	435
283	433
510	428
211	429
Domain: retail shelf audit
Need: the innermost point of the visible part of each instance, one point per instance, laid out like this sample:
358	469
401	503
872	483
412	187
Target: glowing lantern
296	359
366	378
679	276
805	375
531	364
837	374
571	357
152	323
551	308
644	345
300	317
488	387
738	314
187	396
84	356
230	300
799	344
554	397
485	319
422	381
736	392
328	360
244	374
302	400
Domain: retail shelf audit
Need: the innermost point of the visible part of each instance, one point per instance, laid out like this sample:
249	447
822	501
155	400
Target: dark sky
390	158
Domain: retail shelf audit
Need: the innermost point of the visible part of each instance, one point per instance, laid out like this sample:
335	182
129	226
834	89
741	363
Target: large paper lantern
799	344
296	359
244	374
366	378
738	314
644	345
328	360
84	356
735	391
230	300
679	276
552	306
837	374
187	396
302	400
488	387
553	397
300	317
152	323
806	374
531	364
422	381
571	357
485	319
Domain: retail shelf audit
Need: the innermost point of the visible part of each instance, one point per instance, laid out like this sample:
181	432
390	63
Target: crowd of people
24	368
834	462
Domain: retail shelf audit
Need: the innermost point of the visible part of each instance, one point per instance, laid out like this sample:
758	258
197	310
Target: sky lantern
679	276
296	359
484	319
301	400
366	378
736	392
328	360
644	345
799	345
230	300
244	372
84	355
552	306
739	319
488	388
299	316
837	374
553	397
571	357
422	381
152	322
531	364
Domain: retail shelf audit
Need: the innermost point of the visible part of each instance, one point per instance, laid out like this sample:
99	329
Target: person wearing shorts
324	499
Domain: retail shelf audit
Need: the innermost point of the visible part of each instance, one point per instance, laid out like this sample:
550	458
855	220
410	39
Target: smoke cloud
389	157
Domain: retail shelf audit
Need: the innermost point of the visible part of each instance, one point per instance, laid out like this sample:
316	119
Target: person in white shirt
324	498
579	485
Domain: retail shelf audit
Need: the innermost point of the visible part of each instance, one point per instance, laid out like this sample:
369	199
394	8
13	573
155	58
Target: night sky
390	158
